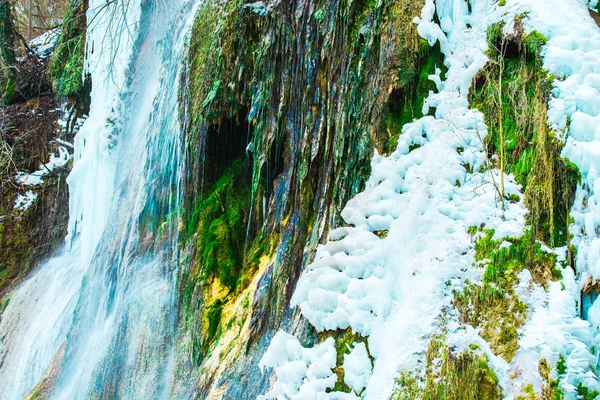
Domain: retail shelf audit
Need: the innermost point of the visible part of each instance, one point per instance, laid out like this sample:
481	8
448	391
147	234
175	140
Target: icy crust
385	275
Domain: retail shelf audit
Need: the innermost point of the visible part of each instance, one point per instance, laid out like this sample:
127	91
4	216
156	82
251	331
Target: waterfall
109	299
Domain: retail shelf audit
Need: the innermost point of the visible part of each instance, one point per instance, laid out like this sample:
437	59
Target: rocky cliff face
289	101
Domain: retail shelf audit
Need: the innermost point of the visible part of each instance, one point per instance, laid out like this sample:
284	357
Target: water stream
110	296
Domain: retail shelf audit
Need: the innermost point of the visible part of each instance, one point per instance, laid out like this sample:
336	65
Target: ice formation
302	373
91	182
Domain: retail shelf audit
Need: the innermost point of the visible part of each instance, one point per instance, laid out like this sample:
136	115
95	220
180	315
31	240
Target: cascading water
110	297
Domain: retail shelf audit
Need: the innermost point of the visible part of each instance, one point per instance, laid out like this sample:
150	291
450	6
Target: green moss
359	13
494	35
4	305
213	315
503	263
16	247
498	313
534	43
3	275
493	305
463	376
67	63
551	387
527	393
219	220
561	366
319	14
585	393
406	103
215	60
512	91
218	226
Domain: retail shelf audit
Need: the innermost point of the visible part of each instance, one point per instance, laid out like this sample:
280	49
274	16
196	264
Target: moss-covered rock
67	62
493	305
513	91
450	375
8	60
219	220
29	236
307	85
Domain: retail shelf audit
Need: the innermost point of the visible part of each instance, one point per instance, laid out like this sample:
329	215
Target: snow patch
36	178
44	44
23	202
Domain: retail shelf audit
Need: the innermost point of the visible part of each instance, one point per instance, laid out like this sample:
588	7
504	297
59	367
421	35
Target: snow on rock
43	45
36	178
23	202
357	368
33	179
302	373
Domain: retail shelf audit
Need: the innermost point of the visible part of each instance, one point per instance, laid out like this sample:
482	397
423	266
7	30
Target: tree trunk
7	52
29	19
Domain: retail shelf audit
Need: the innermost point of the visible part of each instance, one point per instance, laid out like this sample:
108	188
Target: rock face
300	93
